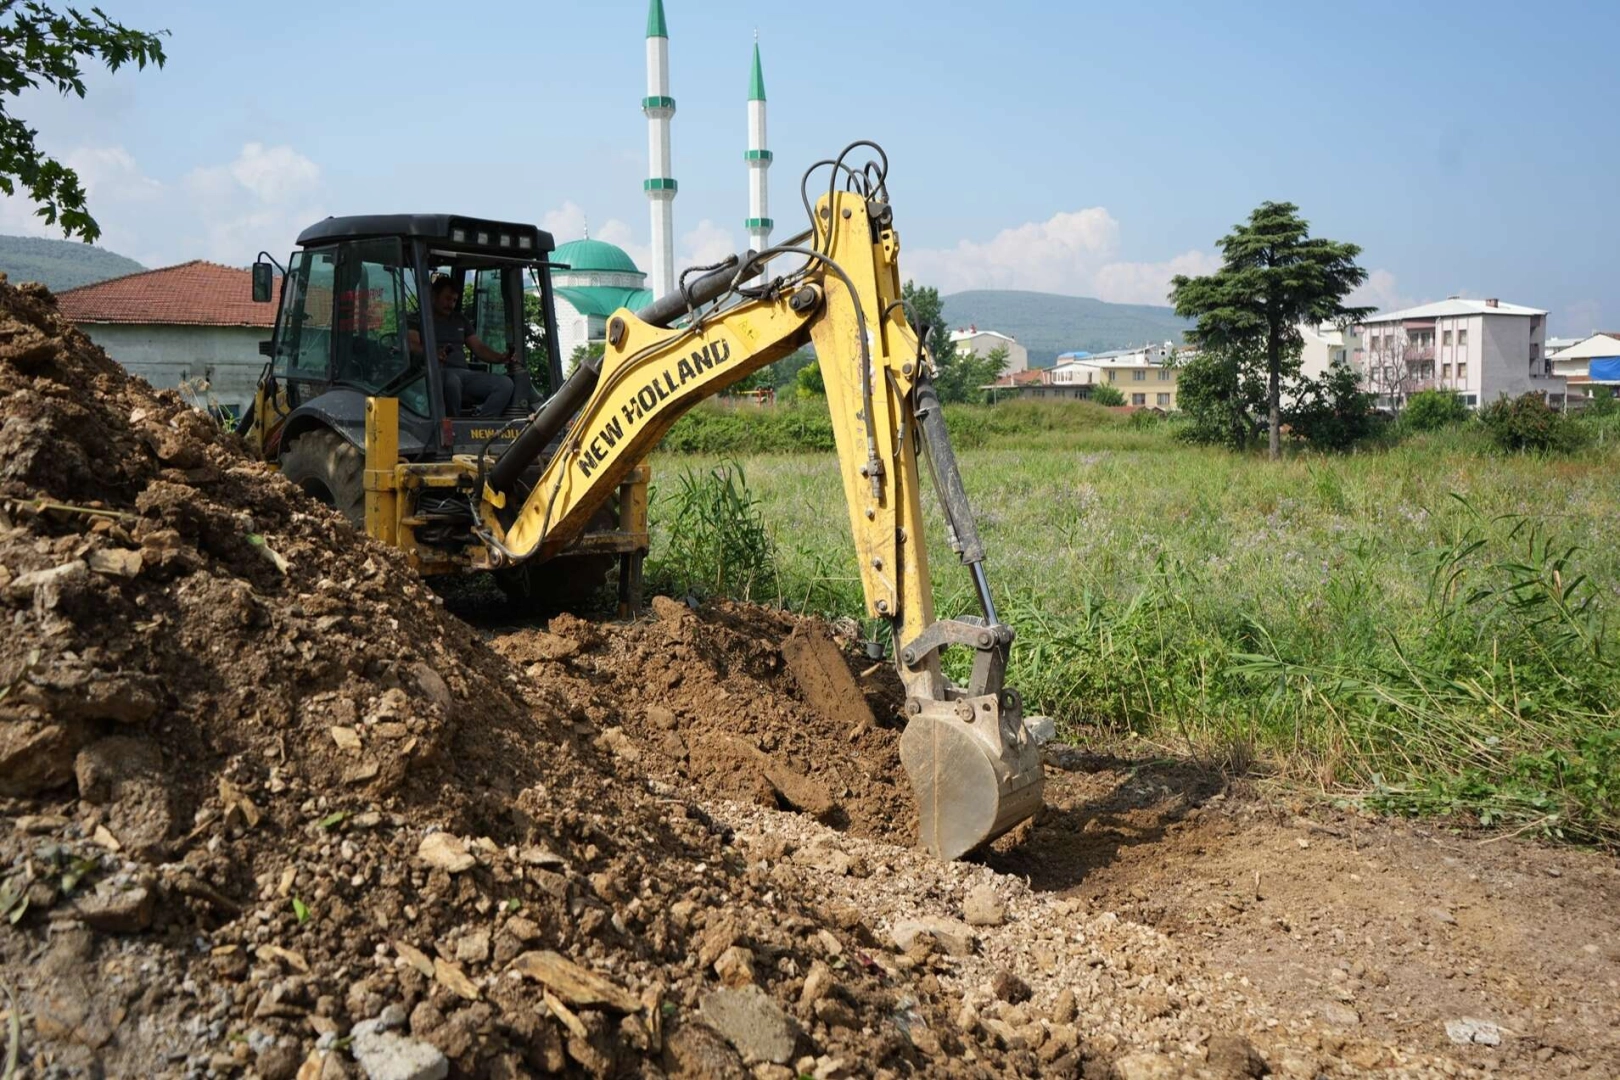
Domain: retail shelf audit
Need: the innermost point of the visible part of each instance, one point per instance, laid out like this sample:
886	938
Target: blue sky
1076	148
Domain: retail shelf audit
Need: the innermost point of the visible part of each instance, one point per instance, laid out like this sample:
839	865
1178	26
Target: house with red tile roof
195	323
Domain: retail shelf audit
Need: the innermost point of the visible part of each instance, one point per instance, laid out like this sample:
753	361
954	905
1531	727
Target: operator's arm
487	354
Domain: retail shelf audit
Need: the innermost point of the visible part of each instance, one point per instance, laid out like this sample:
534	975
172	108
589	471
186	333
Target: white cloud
1073	253
227	212
1379	291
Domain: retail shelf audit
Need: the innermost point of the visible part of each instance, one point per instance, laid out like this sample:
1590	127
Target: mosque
602	277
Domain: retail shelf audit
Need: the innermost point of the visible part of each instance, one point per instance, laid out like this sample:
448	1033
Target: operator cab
352	293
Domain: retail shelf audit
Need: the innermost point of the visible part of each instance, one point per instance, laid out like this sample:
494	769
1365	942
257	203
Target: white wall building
984	342
1479	349
1327	345
195	323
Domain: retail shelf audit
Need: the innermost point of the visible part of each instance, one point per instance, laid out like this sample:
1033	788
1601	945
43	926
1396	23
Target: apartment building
1146	376
1478	349
984	342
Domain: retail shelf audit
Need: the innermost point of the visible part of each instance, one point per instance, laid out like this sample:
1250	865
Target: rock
751	1022
118	907
345	737
817	984
1468	1031
1442	916
1145	1067
279	1061
122	562
953	935
473	948
826	858
44	585
572	983
735	967
983	907
445	852
1235	1057
834	1013
432	684
622	746
721	934
36	757
524	930
1065	1009
1042	729
1338	1015
454	979
1009	987
698	1052
384	1055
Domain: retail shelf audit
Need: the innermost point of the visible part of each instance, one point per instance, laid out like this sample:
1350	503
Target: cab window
370	351
304	348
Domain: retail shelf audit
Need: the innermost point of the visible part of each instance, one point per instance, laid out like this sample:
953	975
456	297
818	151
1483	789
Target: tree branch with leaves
39	48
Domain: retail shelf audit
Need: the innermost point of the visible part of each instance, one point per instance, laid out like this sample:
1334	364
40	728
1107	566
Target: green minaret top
656	26
756	82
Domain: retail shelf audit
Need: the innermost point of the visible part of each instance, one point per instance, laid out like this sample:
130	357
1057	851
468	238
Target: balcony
1414	352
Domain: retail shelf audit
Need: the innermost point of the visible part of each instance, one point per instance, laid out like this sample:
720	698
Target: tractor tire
331	470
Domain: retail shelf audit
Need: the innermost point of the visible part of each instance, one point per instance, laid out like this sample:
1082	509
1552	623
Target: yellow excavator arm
974	765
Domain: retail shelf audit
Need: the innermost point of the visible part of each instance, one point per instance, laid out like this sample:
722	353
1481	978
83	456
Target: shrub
1527	422
1107	395
1331	413
723	548
1430	410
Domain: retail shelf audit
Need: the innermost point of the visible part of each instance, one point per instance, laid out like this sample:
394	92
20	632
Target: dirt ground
268	810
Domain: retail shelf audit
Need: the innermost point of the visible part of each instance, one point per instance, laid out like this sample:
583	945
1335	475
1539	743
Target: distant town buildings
1590	363
1326	345
1478	349
1146	376
984	342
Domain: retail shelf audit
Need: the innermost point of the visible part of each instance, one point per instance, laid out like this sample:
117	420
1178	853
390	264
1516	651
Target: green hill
1047	324
60	264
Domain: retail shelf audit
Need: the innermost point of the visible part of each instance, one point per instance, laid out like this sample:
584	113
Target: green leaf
300	911
333	819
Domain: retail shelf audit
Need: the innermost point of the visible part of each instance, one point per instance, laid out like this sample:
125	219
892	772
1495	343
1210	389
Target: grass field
1422	627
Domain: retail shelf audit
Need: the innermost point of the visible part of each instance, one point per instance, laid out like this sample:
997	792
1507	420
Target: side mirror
264	279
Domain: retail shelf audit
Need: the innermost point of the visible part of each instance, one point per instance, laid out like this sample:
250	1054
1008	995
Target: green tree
1333	412
1429	410
969	372
42	47
1274	277
809	381
1104	394
924	305
1220	395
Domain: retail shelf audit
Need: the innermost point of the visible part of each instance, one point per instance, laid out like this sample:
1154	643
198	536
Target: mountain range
60	264
1047	324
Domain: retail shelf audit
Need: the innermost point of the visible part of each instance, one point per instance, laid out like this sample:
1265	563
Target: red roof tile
196	293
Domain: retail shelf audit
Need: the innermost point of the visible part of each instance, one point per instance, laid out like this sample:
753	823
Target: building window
1462	373
1138	399
1445	371
1164	401
1164	374
1138	376
1462	337
1111	376
1445	338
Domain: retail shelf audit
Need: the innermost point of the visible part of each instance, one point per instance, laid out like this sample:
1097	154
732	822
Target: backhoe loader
352	409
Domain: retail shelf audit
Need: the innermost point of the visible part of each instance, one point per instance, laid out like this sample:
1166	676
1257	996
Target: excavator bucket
976	770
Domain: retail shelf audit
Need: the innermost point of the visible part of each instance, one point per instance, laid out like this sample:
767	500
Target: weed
717	542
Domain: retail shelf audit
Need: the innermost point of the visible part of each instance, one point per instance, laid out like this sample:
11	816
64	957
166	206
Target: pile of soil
269	811
736	702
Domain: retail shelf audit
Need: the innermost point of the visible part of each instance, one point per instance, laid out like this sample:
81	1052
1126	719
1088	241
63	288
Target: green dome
583	256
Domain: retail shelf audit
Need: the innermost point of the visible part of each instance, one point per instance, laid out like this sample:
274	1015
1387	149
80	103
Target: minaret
659	108
759	160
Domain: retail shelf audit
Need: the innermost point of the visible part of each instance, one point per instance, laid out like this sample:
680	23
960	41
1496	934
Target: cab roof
415	226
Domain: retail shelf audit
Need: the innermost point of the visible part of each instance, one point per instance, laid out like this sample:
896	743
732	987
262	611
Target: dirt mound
736	702
269	811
